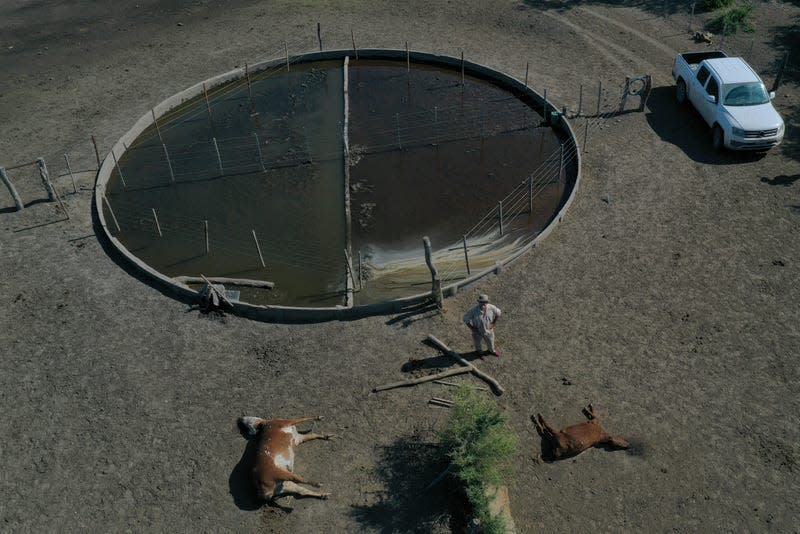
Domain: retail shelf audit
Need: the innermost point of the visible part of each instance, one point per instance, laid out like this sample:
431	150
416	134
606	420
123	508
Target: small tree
478	444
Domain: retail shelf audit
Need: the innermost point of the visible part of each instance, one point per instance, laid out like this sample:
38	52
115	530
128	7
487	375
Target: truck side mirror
711	98
772	95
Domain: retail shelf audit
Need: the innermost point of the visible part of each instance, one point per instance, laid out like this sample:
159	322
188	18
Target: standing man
481	320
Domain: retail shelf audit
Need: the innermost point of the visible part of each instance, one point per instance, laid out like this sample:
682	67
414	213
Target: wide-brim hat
483	298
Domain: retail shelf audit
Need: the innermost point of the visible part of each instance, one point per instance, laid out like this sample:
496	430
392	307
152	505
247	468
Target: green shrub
733	20
478	444
704	6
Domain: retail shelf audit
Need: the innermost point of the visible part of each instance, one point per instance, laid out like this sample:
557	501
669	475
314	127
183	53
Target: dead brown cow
273	468
575	439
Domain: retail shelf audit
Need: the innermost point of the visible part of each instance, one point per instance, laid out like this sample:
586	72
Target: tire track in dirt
669	51
609	49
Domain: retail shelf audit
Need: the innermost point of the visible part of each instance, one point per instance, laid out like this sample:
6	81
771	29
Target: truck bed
693	58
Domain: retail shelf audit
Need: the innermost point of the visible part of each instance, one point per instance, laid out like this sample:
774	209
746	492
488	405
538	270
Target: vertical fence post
360	271
599	96
530	194
111	211
527	66
155	121
353	38
436	124
249	87
258	147
11	189
119	171
585	134
397	120
462	70
71	175
96	152
319	36
158	226
169	165
219	158
208	106
436	285
258	249
466	254
580	101
500	216
205	228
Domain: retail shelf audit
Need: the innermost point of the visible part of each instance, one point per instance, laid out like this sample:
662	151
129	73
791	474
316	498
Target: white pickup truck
731	98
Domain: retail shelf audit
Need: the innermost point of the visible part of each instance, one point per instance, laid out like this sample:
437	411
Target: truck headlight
738	132
781	127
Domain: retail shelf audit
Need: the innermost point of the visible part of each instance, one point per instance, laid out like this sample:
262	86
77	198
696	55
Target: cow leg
308	436
290	488
589	413
617	442
285	475
546	429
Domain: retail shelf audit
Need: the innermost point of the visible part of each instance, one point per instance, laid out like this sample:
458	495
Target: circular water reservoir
323	174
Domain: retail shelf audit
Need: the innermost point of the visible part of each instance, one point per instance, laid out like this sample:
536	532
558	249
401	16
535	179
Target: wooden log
443	401
420	380
231	281
496	387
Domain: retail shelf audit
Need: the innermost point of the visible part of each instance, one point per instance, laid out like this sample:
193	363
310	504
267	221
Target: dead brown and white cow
273	469
574	439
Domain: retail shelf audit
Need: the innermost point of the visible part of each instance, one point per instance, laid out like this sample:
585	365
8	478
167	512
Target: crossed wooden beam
466	367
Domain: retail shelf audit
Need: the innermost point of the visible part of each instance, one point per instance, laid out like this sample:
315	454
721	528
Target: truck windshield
745	94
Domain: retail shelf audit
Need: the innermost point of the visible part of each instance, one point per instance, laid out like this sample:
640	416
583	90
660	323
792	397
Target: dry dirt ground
668	297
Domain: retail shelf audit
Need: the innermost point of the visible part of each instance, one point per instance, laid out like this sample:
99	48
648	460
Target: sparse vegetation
732	20
478	444
704	6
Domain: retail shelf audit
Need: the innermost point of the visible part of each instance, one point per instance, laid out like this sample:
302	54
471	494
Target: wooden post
436	124
353	37
585	134
72	176
249	88
397	120
530	194
116	163
462	70
599	96
580	101
466	254
360	271
286	50
258	248
258	147
208	106
96	153
158	226
155	121
205	225
111	211
544	109
779	77
319	36
219	158
169	165
436	286
500	216
527	65
11	189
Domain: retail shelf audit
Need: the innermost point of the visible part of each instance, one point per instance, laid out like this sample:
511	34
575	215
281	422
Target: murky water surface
428	156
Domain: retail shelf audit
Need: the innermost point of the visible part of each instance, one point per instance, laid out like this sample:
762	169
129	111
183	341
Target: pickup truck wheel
680	92
717	138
